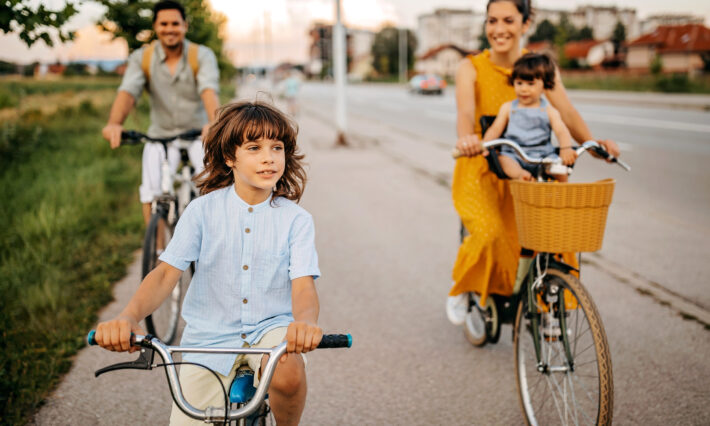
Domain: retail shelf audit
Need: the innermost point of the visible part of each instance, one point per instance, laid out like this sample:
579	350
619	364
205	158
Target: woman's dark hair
523	7
168	5
532	66
241	122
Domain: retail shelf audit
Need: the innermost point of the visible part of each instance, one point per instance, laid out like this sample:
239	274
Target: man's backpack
192	50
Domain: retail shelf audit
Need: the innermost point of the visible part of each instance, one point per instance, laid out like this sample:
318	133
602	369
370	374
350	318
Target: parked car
427	84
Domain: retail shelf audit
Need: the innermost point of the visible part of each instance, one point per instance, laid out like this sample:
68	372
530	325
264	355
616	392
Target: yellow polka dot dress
488	258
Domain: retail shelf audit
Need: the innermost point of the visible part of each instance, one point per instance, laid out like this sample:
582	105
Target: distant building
442	60
459	27
589	53
680	47
601	20
358	45
650	24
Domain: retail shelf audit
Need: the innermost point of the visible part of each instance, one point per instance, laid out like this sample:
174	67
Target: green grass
667	83
70	221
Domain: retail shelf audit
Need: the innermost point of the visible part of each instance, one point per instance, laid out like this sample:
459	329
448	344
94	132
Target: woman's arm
468	143
576	125
498	127
115	334
303	333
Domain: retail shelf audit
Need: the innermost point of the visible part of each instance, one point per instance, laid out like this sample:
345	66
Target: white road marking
647	122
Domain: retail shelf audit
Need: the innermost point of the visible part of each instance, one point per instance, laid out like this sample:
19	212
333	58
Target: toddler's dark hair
532	66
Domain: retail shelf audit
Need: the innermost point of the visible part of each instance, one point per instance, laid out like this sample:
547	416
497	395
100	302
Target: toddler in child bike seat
256	263
529	119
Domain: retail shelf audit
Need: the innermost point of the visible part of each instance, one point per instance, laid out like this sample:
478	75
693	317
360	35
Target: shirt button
251	209
244	336
244	301
247	230
245	267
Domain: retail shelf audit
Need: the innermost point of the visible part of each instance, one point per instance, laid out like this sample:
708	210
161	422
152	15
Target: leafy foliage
618	36
545	31
385	51
33	24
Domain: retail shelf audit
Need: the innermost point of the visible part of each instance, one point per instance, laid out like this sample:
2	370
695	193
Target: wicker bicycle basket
559	217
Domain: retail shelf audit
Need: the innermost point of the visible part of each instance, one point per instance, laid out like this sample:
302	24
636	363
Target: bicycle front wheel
163	322
562	355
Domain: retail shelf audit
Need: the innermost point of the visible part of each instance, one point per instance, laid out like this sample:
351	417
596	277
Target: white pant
153	154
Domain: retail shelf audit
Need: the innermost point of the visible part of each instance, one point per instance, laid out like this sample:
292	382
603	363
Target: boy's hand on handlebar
115	335
568	155
302	337
112	133
470	145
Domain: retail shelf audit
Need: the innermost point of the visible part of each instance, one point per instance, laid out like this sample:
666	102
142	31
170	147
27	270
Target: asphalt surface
387	235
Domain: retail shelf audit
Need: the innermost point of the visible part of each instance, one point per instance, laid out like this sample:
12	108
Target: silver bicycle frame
215	414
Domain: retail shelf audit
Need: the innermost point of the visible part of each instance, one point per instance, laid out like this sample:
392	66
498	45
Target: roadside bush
674	83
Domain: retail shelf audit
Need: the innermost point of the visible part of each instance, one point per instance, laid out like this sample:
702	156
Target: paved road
387	237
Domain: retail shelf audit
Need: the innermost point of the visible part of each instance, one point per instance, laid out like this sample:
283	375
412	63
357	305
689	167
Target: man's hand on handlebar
470	145
112	133
115	335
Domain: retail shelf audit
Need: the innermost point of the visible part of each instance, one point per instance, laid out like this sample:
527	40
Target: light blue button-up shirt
245	258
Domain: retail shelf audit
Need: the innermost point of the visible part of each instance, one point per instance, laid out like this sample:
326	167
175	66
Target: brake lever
143	362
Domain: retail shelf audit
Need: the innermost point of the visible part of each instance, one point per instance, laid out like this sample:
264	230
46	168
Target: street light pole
402	55
339	59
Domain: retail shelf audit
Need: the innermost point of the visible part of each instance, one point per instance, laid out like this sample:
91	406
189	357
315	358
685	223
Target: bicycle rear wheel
557	391
163	322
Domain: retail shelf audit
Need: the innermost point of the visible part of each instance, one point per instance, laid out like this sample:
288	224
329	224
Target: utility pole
402	55
339	63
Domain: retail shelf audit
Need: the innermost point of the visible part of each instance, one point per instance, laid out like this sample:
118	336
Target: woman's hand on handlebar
115	335
112	133
470	145
302	337
610	146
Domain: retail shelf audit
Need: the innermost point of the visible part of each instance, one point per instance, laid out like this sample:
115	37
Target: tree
385	51
545	31
586	33
32	24
618	36
132	20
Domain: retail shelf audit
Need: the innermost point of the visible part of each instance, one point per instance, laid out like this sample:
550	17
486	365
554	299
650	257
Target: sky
267	31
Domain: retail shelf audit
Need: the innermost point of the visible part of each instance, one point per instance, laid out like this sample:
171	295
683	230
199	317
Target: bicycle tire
478	326
163	322
597	389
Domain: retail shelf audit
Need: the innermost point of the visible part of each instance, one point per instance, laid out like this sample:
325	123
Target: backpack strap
192	51
145	63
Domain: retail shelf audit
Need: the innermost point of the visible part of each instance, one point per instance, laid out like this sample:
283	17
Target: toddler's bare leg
287	391
512	169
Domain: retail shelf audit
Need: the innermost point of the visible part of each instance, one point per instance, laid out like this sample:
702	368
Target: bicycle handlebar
586	146
129	137
213	414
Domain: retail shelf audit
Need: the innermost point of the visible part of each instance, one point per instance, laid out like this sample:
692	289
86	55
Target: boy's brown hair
532	66
249	121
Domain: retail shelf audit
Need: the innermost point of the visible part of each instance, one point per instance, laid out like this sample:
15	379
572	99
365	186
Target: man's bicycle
178	190
563	363
243	404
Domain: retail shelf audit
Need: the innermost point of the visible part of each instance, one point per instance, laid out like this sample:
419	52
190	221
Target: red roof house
680	48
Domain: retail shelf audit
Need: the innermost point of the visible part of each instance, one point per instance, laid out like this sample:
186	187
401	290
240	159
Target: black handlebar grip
601	152
336	341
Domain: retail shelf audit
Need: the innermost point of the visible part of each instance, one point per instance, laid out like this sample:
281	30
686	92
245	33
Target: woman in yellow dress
488	258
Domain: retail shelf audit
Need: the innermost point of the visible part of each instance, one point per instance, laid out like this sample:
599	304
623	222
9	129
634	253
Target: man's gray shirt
175	103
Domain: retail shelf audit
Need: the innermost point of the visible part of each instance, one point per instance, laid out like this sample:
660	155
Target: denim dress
529	128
